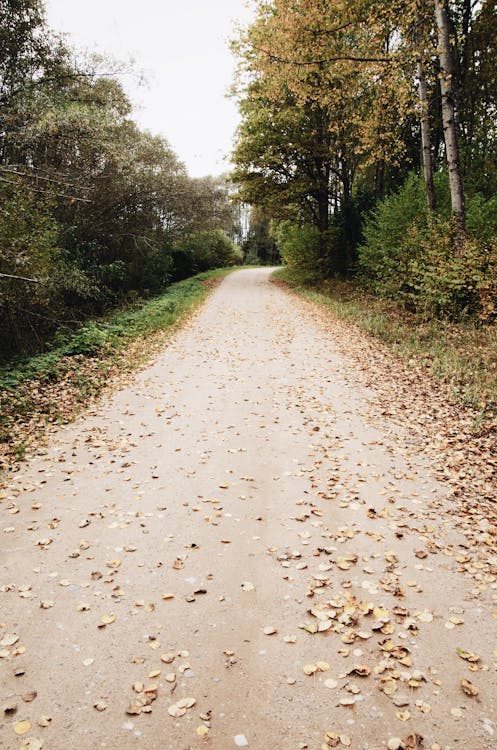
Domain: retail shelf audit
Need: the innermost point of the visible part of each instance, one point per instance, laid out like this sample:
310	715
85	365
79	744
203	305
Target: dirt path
231	547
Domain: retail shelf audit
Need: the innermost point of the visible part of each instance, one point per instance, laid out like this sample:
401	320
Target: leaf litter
365	620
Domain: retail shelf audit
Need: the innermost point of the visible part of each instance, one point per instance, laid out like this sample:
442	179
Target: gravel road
231	552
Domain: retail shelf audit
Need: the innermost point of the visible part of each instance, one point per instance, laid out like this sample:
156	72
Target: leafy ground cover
463	356
437	381
52	387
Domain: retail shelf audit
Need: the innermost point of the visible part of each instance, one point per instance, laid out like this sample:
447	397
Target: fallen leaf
322	666
469	688
310	669
9	640
269	630
176	712
412	742
106	620
361	670
467	655
22	727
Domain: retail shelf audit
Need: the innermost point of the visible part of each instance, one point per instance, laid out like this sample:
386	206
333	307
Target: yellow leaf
202	731
22	727
310	669
381	613
107	620
322	666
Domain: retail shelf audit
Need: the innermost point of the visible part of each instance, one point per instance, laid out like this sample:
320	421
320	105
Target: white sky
182	48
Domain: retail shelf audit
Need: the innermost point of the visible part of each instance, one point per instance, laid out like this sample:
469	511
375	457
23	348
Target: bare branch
339	58
19	278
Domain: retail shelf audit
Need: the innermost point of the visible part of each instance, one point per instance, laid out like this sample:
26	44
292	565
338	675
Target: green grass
52	387
464	355
107	337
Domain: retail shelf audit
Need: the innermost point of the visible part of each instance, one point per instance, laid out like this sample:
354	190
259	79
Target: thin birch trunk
426	138
448	112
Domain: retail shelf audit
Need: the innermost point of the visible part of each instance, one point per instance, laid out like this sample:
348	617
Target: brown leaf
413	742
361	670
469	688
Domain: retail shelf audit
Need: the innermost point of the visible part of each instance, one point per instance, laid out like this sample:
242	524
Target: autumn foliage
342	102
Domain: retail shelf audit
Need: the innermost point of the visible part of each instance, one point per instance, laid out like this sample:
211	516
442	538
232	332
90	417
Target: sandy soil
232	552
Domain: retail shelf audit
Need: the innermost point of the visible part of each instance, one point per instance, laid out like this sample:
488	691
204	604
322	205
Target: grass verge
463	356
52	387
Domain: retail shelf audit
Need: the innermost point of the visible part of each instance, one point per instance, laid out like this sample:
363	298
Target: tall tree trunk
448	112
323	200
426	152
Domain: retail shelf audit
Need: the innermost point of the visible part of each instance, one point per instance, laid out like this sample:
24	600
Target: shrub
299	249
449	277
387	251
421	260
210	248
481	219
89	340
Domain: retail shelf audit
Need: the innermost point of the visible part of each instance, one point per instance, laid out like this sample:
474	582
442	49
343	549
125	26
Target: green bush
299	249
387	250
90	340
449	277
481	218
422	261
209	249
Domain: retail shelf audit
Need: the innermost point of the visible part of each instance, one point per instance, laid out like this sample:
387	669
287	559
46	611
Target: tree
324	96
448	111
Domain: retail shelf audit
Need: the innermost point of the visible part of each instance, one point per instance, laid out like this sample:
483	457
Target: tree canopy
92	208
340	101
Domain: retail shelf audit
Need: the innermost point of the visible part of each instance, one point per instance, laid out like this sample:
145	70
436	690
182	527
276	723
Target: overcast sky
182	47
